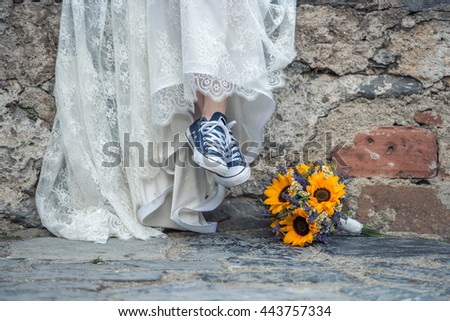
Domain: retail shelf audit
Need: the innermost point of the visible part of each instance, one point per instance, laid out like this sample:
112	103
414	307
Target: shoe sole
205	162
237	179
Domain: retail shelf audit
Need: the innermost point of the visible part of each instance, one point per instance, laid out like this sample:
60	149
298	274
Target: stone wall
29	35
369	89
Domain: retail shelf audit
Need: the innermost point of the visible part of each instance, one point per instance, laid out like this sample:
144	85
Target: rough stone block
383	57
393	152
404	208
39	103
30	43
422	56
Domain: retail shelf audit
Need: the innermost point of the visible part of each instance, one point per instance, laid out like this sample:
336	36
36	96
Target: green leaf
97	260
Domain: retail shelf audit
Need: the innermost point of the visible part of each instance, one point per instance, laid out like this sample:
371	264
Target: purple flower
299	178
272	176
281	169
291	199
342	177
276	228
312	217
322	237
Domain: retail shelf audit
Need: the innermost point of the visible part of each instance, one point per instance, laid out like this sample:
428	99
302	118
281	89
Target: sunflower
298	230
325	192
274	193
303	169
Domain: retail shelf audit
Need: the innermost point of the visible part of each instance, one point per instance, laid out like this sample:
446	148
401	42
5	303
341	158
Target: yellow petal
289	237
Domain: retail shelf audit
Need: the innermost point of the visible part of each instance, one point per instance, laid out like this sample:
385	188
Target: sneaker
208	140
238	169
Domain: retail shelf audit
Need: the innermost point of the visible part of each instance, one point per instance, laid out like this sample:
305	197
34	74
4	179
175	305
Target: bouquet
307	202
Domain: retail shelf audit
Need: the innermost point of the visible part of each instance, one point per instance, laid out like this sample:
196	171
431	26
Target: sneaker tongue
217	116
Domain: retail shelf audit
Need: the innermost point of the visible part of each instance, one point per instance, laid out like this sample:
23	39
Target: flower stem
370	231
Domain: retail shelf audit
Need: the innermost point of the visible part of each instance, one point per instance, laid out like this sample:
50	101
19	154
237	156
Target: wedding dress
126	76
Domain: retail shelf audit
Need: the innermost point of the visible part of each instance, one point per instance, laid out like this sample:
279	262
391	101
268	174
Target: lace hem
180	98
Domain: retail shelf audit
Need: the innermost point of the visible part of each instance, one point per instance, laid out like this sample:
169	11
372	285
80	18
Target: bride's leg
209	106
200	100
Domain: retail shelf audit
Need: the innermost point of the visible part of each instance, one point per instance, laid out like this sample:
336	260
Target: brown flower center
322	195
301	227
281	198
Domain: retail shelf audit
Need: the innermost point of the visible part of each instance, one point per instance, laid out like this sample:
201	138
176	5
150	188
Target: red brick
393	152
404	209
428	117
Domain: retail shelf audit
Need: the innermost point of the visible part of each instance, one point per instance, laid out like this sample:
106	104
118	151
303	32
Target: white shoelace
222	142
233	152
216	141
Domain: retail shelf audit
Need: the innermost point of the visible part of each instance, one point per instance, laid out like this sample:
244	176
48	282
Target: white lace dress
126	77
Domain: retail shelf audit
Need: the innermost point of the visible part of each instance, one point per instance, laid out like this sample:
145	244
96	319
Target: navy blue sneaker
208	140
238	170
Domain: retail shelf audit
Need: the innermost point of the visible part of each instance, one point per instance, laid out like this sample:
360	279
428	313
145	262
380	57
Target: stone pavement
245	265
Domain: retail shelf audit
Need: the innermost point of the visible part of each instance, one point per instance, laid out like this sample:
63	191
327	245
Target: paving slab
52	248
238	265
